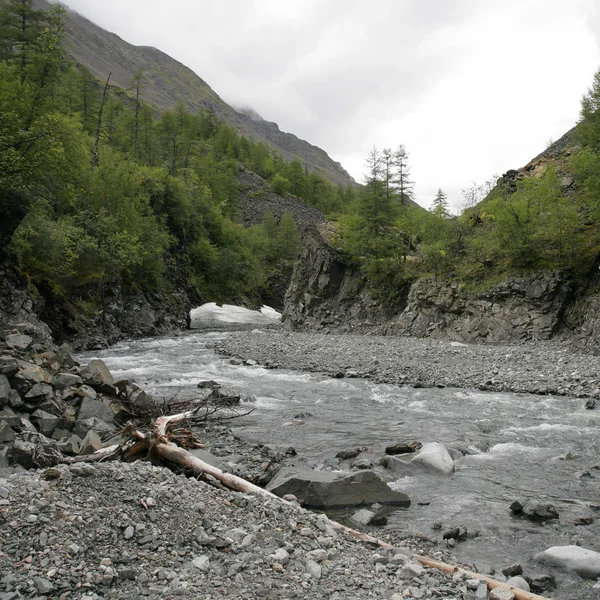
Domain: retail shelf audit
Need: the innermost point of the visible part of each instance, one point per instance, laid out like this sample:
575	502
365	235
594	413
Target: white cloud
470	87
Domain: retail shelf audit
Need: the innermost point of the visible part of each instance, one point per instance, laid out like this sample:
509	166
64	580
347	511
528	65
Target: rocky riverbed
538	368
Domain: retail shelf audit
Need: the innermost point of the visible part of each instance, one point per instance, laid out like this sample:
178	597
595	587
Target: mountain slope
167	81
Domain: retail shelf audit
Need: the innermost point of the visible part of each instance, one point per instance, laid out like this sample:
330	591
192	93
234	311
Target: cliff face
167	81
328	294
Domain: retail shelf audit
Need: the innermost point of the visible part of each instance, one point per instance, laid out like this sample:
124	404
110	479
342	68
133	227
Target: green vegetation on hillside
531	224
98	190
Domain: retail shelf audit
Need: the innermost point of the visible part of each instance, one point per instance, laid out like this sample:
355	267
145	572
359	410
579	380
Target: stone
361	464
91	442
71	445
348	453
209	458
518	582
403	448
4	389
22	453
201	563
542	583
96	373
18	341
512	570
43	586
366	517
39	390
8	416
65	380
28	375
46	422
432	457
314	569
501	594
6	433
8	366
91	408
328	489
539	511
82	427
586	563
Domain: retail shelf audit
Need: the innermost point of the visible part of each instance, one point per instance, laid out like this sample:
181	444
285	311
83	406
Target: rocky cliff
327	293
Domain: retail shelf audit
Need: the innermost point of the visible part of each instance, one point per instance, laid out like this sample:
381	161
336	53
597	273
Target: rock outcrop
326	292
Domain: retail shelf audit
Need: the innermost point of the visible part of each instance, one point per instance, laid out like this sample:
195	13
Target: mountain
168	81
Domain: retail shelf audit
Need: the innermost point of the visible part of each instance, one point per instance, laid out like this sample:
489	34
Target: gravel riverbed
536	367
131	531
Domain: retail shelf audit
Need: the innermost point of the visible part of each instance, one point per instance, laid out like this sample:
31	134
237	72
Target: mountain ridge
168	81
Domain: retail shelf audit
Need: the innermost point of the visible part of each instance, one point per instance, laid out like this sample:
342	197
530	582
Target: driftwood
157	443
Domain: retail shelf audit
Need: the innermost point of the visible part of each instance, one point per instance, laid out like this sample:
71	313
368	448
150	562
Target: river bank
536	368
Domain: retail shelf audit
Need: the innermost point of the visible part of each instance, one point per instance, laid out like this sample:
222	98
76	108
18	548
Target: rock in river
585	563
329	489
432	456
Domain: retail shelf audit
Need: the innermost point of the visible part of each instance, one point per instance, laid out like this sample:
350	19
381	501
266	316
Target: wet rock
403	448
516	507
585	563
542	583
327	489
512	570
432	457
539	511
348	453
361	464
590	403
518	582
365	517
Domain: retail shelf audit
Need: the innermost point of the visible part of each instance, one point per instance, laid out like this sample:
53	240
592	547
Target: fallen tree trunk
157	443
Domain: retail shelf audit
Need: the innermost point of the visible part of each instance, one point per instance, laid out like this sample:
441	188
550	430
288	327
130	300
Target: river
520	446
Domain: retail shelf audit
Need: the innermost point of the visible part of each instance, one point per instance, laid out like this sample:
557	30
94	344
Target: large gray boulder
329	489
585	563
432	456
91	408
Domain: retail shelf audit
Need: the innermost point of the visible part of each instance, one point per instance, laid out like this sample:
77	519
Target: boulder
39	454
329	489
346	454
227	316
585	563
46	422
97	375
432	457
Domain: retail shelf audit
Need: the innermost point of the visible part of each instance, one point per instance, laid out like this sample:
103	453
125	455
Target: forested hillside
545	216
99	192
168	82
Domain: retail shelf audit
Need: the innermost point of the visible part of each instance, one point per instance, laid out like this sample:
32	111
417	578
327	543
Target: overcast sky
470	87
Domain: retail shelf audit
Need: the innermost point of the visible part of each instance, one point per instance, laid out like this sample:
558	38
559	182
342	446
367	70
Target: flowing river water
520	446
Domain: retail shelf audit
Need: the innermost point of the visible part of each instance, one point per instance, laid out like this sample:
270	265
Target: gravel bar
536	367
